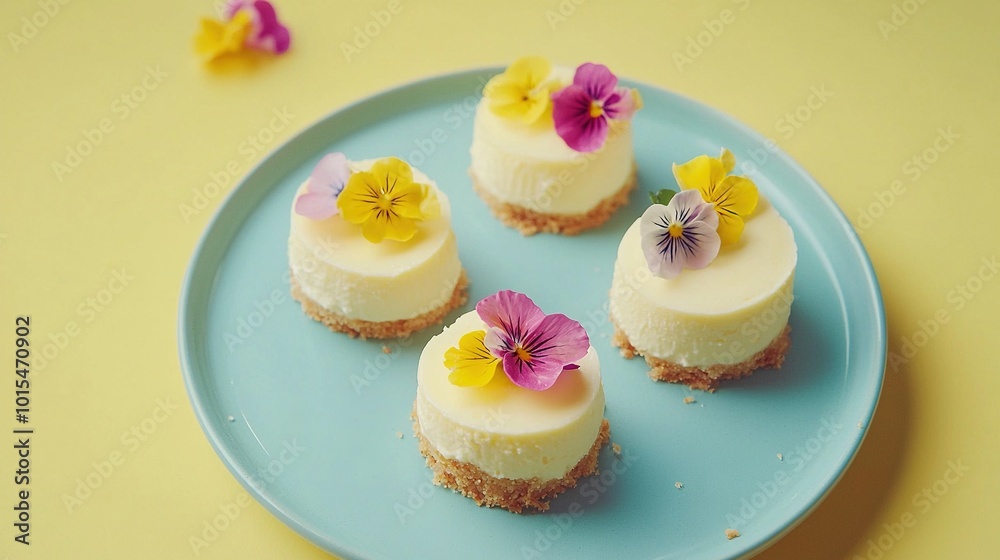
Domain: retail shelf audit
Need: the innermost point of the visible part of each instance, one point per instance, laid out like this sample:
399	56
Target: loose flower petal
680	235
271	34
471	364
248	24
535	348
218	38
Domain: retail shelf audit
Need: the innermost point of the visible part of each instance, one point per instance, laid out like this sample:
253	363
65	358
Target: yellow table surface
890	104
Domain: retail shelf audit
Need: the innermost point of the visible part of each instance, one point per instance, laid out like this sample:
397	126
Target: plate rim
199	399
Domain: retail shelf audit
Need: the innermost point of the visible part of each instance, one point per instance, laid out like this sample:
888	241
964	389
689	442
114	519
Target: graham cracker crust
707	379
386	329
530	222
514	495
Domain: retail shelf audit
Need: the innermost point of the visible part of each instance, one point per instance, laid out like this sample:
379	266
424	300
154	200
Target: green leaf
662	197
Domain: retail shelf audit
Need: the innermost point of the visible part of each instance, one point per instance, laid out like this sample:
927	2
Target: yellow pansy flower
217	38
523	91
734	196
385	201
471	364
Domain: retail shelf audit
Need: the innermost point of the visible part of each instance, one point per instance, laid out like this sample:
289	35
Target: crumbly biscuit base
708	378
530	222
516	495
385	329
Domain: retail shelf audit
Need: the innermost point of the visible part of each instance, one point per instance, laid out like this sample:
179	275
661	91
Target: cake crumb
860	425
688	400
386	349
399	435
781	457
678	485
732	534
231	418
617	449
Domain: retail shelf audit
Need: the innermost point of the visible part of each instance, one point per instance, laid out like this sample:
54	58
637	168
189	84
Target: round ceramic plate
317	426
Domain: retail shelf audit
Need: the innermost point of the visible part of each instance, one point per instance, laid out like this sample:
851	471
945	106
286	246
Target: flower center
384	202
523	354
675	230
596	109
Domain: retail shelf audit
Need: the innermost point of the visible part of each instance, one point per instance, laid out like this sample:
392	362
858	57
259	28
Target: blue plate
317	425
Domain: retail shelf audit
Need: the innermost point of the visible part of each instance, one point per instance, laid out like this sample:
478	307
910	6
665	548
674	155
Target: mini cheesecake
375	290
719	322
502	444
534	182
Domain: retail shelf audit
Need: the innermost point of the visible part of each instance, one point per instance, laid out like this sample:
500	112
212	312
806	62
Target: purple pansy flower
681	234
328	178
534	347
581	110
268	33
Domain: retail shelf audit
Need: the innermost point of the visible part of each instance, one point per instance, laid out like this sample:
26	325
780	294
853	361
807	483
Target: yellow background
891	87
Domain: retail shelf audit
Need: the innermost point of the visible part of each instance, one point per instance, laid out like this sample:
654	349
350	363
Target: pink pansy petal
620	105
272	35
536	376
497	341
330	175
512	312
558	338
535	348
316	206
268	33
571	114
596	80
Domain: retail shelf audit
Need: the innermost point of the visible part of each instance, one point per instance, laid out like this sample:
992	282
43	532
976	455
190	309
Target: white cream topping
345	273
506	430
721	314
531	166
